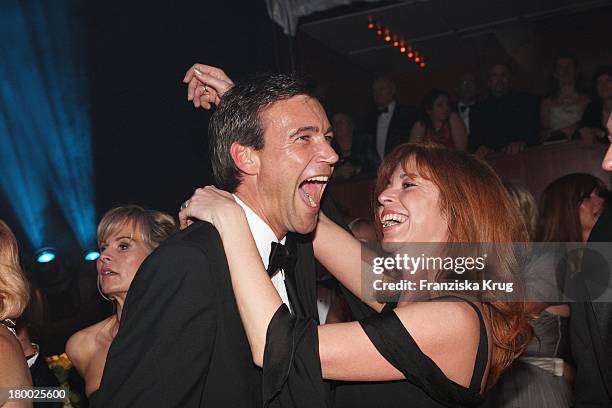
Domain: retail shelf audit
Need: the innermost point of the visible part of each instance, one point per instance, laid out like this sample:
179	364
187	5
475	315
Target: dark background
150	144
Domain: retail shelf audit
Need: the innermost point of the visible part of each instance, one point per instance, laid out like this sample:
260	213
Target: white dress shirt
382	127
264	236
32	360
464	112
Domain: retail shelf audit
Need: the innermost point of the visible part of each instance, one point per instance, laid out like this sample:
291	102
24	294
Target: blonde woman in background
126	236
14	297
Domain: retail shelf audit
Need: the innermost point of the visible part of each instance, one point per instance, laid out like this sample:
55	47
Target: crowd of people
502	121
224	312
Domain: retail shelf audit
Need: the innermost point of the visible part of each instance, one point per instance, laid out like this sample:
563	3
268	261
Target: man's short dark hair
238	120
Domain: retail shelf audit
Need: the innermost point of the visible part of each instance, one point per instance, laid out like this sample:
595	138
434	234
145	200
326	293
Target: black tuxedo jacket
591	335
497	122
181	342
399	128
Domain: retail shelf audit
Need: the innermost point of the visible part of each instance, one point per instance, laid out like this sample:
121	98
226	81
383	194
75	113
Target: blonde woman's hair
14	287
154	226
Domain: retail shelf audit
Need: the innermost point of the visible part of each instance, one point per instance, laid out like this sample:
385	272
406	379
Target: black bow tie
280	258
383	110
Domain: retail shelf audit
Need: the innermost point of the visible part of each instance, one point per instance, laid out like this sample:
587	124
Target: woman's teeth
388	220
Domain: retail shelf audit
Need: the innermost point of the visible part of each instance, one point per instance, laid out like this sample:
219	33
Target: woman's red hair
478	209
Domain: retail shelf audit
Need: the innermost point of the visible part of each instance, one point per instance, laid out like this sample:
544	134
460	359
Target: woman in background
561	111
541	377
570	207
126	236
14	296
592	126
439	124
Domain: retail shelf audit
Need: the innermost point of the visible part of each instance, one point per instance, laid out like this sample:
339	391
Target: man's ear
245	157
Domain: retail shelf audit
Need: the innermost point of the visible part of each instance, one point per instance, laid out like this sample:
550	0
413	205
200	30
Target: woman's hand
247	271
211	205
206	85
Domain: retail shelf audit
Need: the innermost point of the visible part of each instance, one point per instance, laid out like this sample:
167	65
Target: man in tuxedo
507	120
390	125
181	342
466	98
591	323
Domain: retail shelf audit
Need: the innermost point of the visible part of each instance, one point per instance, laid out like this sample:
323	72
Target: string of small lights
397	40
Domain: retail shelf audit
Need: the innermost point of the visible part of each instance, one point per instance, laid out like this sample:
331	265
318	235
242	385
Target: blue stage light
45	129
92	256
45	255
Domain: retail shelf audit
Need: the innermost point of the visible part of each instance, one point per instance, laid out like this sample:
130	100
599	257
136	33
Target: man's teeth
391	219
312	202
319	178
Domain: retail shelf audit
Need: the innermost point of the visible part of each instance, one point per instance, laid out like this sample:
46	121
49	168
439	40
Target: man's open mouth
311	190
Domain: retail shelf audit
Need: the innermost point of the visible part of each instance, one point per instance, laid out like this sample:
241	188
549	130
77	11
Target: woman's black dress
292	369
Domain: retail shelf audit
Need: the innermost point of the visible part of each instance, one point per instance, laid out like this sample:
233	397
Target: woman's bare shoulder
457	316
82	345
12	361
440	329
8	342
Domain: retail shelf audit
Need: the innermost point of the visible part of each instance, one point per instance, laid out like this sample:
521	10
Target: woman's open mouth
388	220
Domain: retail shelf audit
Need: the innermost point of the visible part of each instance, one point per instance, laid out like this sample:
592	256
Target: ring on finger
205	89
185	205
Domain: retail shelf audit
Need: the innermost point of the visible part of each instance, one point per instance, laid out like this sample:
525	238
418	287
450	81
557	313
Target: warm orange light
387	34
398	40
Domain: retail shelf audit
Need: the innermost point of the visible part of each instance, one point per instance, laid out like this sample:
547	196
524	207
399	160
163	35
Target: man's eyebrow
304	129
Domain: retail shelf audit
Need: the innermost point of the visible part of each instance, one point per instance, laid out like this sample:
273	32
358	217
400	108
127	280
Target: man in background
466	98
506	121
390	125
